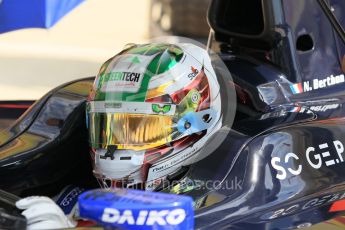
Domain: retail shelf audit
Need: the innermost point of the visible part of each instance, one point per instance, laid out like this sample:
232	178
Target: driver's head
151	103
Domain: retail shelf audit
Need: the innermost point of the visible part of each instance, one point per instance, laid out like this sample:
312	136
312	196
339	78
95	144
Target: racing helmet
152	108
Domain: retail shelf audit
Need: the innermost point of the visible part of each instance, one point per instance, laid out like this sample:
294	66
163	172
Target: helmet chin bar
165	183
118	168
126	182
129	168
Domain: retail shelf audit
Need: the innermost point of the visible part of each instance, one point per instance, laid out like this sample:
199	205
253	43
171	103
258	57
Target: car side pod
135	209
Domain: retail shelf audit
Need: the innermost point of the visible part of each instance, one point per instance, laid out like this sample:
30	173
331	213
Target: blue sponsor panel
134	209
68	198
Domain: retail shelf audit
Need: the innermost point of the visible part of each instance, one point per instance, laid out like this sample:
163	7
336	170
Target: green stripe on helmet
166	57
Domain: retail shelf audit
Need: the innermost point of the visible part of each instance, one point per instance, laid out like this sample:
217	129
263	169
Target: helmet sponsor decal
193	74
131	81
124	74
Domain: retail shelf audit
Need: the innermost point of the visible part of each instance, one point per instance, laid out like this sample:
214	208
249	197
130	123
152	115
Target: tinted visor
129	131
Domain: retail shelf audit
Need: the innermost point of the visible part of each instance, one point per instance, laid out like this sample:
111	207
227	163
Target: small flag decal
296	88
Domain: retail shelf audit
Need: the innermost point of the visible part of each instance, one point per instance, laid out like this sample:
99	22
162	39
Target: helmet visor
129	131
